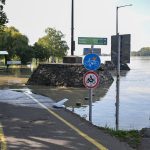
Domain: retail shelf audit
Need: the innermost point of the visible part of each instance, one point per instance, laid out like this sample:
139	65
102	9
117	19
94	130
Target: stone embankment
69	75
110	66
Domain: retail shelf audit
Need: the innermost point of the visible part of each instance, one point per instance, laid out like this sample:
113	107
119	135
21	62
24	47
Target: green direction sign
92	41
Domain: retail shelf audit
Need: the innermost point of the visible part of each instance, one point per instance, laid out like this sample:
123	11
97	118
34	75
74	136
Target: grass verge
132	137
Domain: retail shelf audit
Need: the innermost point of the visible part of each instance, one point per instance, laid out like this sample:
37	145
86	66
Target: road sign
92	62
94	50
91	79
13	62
125	48
3	53
92	41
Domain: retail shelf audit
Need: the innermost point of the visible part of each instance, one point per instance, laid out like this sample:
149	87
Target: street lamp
118	67
117	15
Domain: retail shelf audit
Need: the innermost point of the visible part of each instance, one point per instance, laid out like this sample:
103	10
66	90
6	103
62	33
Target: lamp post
118	67
72	28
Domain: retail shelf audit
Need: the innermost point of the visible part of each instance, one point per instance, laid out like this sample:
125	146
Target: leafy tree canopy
54	43
15	43
40	52
3	17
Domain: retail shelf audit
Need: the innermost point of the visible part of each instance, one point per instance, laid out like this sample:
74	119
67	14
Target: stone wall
69	75
110	66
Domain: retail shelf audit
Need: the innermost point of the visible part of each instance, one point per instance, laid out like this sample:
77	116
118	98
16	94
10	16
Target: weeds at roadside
132	137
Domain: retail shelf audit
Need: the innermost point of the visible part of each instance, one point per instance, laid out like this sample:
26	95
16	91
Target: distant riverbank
145	51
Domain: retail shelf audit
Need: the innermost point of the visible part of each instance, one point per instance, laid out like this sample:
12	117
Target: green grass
132	137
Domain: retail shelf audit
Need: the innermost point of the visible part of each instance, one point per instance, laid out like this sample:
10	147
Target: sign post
90	104
90	81
91	62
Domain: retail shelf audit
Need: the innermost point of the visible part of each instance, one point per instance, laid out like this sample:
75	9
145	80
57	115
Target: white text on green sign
92	41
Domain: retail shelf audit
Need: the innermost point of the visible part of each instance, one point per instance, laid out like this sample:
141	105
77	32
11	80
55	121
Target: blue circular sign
92	62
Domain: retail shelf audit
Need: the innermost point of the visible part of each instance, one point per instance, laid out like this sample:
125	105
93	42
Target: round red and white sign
91	79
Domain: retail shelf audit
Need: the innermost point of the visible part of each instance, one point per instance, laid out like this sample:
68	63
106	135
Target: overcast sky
93	18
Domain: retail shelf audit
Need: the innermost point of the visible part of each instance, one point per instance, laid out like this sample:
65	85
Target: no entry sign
91	79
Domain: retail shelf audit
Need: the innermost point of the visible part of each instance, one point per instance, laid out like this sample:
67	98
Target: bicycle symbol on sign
92	62
90	80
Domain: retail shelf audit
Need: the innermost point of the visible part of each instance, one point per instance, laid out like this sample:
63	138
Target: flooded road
134	110
13	89
22	97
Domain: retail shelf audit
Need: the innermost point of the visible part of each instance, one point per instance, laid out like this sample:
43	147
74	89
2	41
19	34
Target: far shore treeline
145	51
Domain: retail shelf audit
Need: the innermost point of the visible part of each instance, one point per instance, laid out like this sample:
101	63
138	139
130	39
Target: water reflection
134	112
14	76
75	95
16	71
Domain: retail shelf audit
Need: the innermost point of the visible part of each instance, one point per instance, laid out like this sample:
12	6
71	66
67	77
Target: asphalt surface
30	122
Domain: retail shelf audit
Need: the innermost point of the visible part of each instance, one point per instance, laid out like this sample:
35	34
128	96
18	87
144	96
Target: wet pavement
19	97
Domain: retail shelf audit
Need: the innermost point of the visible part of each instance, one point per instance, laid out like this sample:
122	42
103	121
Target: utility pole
72	28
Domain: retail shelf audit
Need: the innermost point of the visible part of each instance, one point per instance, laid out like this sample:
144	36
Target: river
134	108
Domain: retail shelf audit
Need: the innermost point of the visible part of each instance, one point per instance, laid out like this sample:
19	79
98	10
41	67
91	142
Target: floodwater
14	76
134	111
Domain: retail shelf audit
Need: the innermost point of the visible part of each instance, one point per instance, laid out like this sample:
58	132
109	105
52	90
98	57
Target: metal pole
72	29
117	20
118	73
118	85
90	95
118	68
92	46
90	104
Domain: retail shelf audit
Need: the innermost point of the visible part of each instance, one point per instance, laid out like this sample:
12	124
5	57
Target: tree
40	52
25	54
145	51
54	43
16	44
3	17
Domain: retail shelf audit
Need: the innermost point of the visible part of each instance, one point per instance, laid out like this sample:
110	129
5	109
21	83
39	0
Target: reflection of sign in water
91	79
92	62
